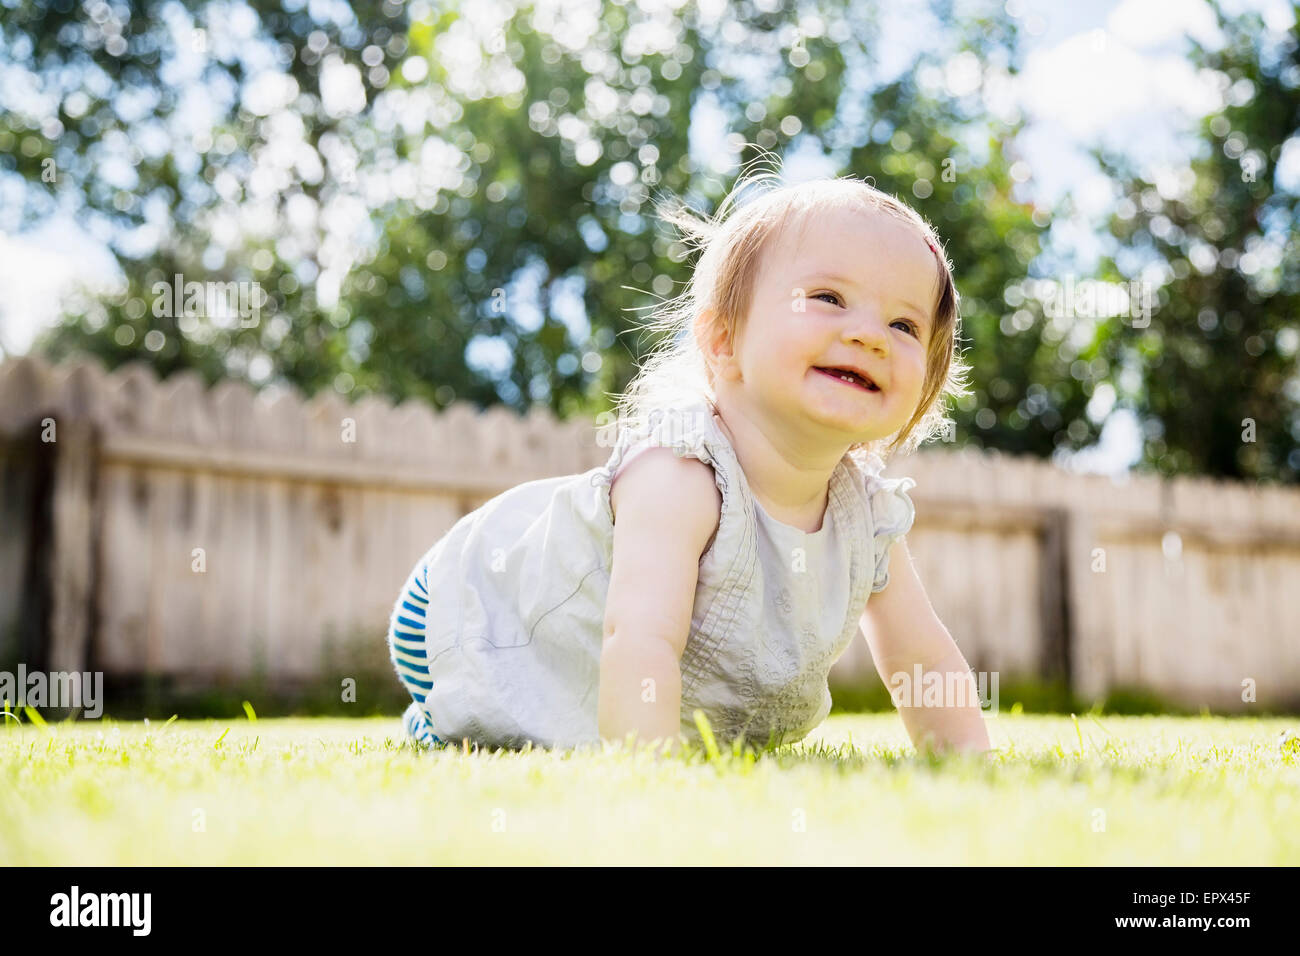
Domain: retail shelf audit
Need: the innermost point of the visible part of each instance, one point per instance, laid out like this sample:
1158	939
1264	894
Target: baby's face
869	283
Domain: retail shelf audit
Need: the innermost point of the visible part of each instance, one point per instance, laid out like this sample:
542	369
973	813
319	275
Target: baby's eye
911	326
832	295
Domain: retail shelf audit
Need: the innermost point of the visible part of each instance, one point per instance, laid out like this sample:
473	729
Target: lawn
1108	790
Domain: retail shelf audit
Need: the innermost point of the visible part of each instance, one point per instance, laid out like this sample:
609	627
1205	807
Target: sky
1096	71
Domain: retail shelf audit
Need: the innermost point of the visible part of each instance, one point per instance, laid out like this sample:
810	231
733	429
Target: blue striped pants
406	649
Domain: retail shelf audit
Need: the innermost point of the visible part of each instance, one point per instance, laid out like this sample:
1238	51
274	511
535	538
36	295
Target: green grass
1178	791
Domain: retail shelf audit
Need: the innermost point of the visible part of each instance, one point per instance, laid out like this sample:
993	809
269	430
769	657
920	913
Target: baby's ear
704	330
712	338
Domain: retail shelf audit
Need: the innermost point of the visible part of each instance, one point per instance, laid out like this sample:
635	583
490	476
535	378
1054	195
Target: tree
112	136
1219	389
483	164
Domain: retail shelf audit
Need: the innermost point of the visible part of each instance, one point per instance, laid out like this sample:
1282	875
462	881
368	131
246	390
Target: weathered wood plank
307	534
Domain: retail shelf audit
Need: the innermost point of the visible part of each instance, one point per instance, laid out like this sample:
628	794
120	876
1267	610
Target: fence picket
307	535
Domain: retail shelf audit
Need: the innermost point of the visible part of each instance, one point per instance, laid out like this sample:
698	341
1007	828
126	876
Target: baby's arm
666	509
903	630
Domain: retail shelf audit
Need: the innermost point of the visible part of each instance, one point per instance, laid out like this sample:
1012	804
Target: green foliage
1222	345
531	178
118	105
508	198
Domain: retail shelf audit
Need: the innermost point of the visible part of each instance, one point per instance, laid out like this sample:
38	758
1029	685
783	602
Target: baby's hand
658	747
670	746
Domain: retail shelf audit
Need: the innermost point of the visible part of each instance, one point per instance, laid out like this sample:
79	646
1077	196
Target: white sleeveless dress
498	630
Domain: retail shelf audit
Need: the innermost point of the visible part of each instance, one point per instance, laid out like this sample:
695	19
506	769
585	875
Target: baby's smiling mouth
849	377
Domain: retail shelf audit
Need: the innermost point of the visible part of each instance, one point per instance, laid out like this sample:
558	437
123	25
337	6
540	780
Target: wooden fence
160	528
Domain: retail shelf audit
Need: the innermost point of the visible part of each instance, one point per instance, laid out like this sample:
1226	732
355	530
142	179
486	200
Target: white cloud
1117	450
1090	82
1142	24
1288	166
269	92
37	269
340	88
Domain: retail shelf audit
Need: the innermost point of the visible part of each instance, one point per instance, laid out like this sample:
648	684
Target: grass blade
706	733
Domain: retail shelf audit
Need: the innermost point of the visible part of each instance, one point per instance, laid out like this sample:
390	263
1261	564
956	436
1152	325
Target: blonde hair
723	280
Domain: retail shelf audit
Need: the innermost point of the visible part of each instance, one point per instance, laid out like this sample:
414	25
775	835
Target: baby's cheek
916	375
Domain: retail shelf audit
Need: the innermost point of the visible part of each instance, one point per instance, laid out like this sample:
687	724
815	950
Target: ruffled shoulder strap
690	431
892	514
687	429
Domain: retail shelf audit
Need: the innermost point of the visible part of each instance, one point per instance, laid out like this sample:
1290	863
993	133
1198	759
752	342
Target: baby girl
740	533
